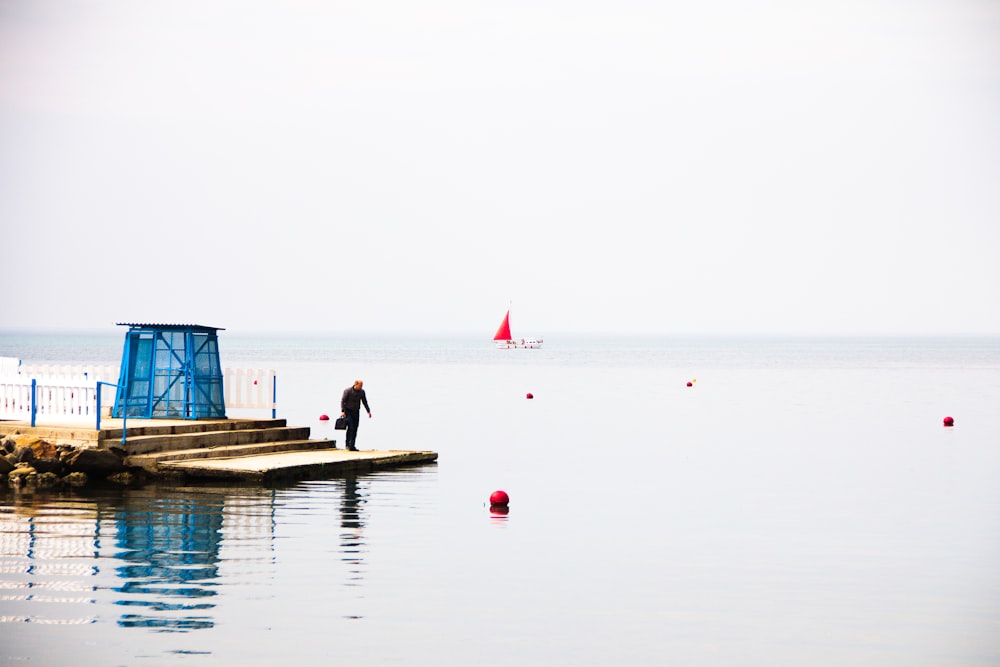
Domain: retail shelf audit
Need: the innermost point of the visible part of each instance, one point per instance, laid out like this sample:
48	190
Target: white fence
249	388
62	392
9	366
53	400
69	393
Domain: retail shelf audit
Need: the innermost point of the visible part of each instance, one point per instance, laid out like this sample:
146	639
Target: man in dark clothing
350	407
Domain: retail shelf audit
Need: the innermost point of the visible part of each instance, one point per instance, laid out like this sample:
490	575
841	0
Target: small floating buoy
499	499
690	384
324	418
530	395
949	421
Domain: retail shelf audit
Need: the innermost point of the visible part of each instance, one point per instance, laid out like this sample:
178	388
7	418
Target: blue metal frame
124	417
170	371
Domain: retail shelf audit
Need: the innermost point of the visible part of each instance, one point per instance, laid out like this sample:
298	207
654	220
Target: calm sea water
800	504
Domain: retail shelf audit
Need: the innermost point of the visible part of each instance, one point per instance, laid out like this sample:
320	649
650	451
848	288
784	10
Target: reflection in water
352	545
164	546
155	558
48	562
171	550
498	515
170	546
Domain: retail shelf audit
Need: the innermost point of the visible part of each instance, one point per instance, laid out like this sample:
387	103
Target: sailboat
504	341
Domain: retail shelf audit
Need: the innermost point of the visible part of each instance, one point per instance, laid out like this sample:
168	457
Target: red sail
503	333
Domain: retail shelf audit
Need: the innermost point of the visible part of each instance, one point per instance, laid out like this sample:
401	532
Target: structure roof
148	325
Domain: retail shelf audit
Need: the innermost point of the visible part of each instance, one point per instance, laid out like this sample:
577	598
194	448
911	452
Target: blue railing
67	395
124	410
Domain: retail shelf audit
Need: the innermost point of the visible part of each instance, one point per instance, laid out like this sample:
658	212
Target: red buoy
690	384
324	418
530	395
499	498
948	421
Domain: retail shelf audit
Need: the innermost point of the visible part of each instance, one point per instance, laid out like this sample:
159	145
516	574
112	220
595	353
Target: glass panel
212	350
162	359
140	362
206	356
141	356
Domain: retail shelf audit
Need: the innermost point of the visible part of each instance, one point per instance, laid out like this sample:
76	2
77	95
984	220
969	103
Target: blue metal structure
170	371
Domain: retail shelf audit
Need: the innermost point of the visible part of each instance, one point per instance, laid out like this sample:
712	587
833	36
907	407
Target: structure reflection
155	557
171	543
170	547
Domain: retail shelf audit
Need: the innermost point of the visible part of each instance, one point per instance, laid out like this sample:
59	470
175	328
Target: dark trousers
353	419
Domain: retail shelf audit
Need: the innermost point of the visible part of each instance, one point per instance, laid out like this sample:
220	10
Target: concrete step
152	462
148	444
144	427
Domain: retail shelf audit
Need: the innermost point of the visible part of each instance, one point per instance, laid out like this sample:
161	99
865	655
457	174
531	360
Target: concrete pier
253	450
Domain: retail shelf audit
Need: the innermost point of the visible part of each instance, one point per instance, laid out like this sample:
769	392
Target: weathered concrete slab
235	449
296	465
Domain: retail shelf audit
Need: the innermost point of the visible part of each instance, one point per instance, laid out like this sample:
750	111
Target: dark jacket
352	399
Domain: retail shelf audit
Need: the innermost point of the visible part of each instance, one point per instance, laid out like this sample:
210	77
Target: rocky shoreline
31	462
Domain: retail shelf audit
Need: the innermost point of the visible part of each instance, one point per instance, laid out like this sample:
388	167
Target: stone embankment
31	461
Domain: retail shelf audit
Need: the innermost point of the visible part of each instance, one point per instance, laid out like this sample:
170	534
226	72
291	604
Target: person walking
350	406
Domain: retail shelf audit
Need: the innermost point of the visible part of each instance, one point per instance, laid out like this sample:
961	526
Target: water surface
800	503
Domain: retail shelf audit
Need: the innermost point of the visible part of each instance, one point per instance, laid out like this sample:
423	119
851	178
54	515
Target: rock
22	475
124	478
47	480
5	465
42	448
54	466
23	454
75	479
96	462
45	449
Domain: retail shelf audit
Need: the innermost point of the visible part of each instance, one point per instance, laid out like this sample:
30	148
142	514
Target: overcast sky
635	166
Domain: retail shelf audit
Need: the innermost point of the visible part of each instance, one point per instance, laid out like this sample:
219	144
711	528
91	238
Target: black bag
340	424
